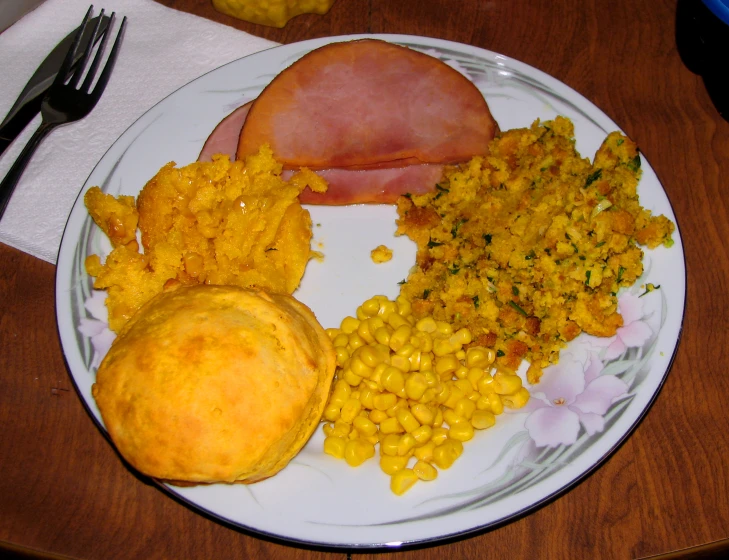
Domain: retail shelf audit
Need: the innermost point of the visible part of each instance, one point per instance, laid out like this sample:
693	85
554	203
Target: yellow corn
425	471
517	400
407	420
390	465
483	419
399	380
445	454
390	444
425	452
402	481
506	383
357	451
335	446
365	426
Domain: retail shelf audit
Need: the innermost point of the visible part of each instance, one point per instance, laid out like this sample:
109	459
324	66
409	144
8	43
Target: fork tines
64	72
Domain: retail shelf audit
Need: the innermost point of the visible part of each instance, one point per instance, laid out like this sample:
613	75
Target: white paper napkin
163	49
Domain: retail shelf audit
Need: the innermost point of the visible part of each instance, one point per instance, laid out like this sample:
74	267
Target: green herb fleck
432	244
634	164
582	257
587	277
454	270
442	189
476	303
519	309
621	270
408	195
426	293
500	354
531	255
592	177
457	226
401	282
515	290
599	244
487	238
270	249
620	141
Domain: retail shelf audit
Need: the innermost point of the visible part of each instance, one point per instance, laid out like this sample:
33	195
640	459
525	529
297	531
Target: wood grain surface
65	493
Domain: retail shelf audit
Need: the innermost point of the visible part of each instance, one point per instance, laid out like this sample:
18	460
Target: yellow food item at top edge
528	246
275	13
417	388
220	222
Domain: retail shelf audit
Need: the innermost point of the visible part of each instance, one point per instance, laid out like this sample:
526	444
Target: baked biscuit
215	384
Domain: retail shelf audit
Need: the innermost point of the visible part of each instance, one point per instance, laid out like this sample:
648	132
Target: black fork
65	101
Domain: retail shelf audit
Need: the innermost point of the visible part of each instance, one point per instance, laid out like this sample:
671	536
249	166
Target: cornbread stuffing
528	246
220	222
381	254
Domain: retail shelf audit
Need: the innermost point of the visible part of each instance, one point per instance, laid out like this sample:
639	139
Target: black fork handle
16	171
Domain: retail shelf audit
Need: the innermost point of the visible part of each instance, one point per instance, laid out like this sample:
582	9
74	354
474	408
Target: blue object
720	8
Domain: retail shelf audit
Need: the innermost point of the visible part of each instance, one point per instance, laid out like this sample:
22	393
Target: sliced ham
374	119
224	138
346	186
368	103
381	186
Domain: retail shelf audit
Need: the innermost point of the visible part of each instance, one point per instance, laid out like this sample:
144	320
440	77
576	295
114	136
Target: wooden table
65	493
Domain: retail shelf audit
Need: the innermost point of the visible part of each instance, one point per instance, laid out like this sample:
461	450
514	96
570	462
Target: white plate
605	385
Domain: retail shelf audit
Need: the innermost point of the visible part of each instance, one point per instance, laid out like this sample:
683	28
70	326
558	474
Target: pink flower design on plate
97	329
571	394
634	332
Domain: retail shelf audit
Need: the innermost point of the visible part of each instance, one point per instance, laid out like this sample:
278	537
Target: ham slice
374	119
380	186
368	103
224	138
346	186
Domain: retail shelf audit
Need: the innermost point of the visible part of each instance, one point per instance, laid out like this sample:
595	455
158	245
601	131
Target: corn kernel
332	412
426	360
474	375
371	307
335	446
387	308
392	379
355	341
496	404
455	395
385	401
517	400
415	385
404	307
389	444
486	384
351	378
390	465
407	420
427	325
357	451
422	434
350	410
414	360
452	418
446	365
341	429
342	355
400	337
439	435
378	416
463	431
506	383
364	426
425	452
402	481
441	347
443	329
425	471
406	444
382	335
396	321
340	341
391	426
349	325
445	454
483	419
461	372
332	333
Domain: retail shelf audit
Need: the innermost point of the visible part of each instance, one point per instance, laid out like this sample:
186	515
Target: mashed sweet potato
529	246
220	222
